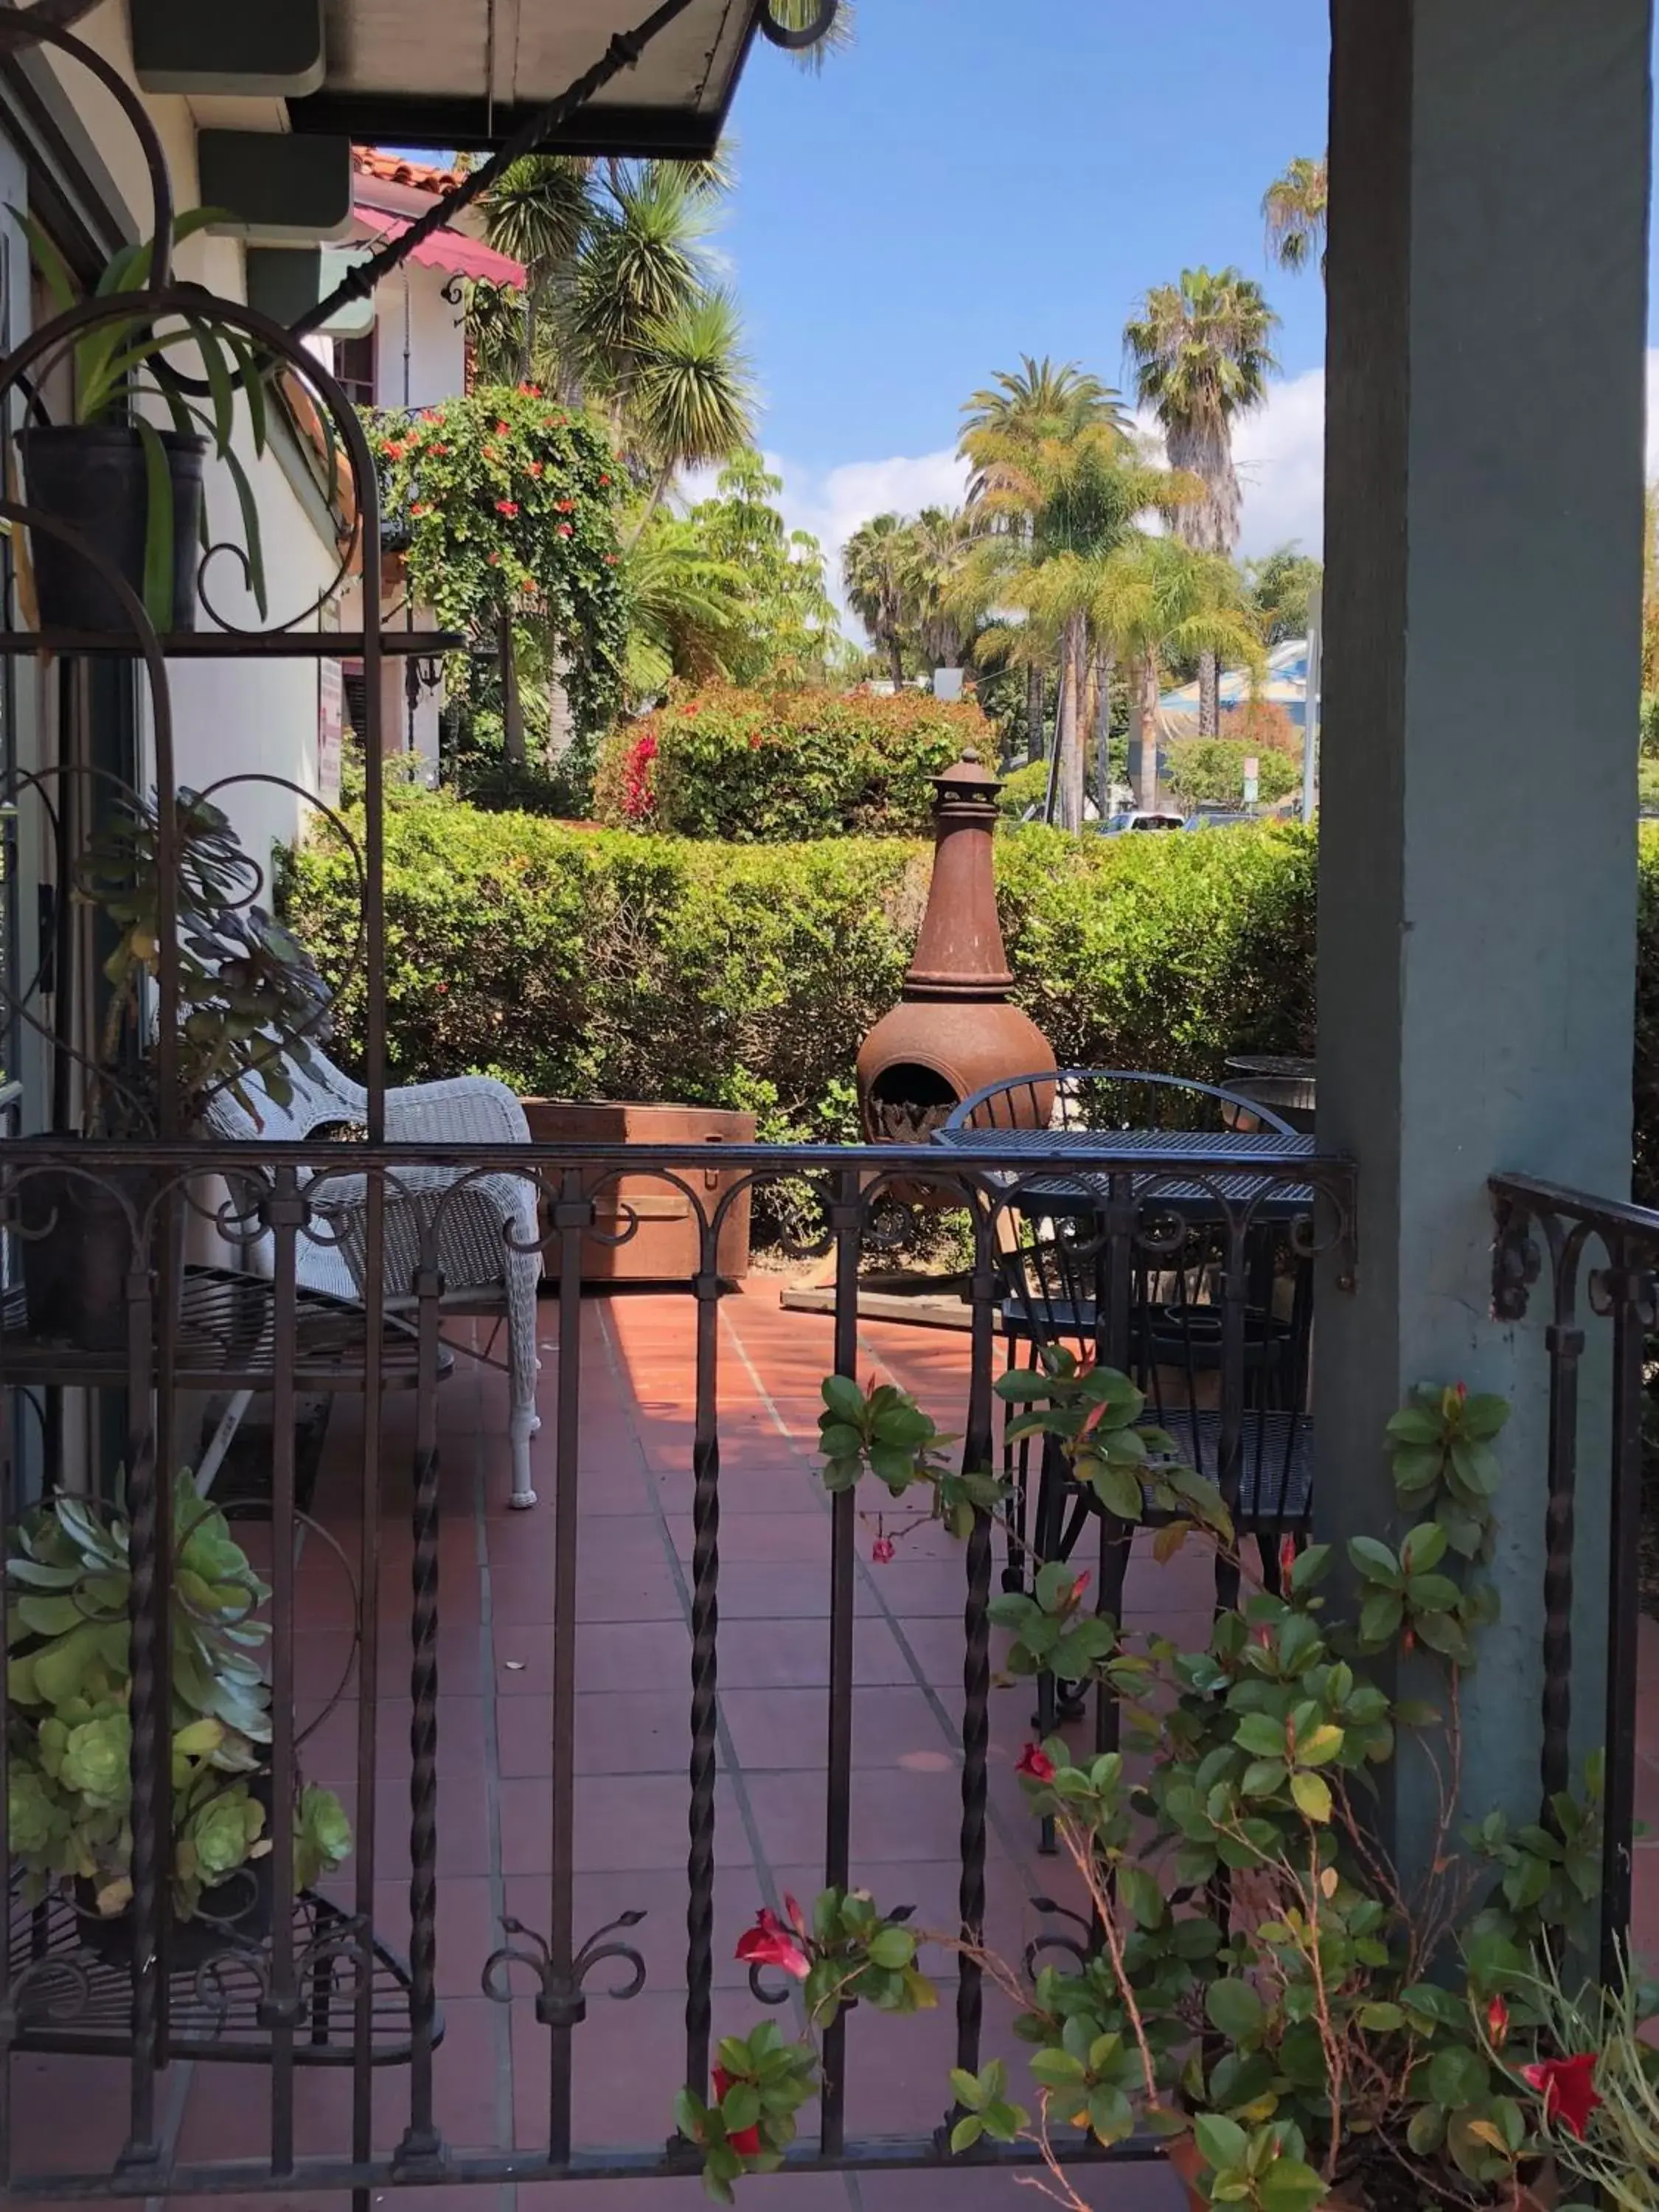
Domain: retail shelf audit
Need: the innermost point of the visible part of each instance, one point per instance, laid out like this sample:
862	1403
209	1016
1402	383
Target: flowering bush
507	503
756	767
1259	1980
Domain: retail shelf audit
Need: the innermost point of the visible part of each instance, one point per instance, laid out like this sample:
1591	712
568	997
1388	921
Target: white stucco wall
410	305
231	717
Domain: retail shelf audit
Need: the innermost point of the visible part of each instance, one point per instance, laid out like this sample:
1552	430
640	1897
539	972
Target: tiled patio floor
634	1646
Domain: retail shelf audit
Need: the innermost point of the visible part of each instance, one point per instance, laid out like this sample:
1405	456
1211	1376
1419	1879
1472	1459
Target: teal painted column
1489	168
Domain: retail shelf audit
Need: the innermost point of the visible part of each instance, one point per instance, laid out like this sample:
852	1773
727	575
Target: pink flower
769	1943
745	2141
1568	2088
881	1550
564	528
1035	1764
506	507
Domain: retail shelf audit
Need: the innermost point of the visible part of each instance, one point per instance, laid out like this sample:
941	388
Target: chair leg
524	1421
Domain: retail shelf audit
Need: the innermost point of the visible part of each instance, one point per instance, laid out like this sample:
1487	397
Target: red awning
447	249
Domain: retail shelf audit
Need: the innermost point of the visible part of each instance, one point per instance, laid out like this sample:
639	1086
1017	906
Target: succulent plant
69	1726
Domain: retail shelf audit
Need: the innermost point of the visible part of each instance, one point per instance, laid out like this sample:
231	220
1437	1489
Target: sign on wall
331	726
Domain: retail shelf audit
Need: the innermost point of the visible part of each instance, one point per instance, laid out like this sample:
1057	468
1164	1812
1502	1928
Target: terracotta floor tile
622	1822
895	1816
753	1538
892	1726
795	1654
615	1656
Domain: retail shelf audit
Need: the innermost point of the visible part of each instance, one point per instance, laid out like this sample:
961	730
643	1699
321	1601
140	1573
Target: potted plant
70	1737
133	490
249	1001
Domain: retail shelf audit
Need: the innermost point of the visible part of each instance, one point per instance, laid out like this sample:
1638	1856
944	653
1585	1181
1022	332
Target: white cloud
832	502
1280	452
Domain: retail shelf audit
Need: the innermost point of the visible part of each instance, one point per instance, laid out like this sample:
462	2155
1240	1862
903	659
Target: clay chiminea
954	1031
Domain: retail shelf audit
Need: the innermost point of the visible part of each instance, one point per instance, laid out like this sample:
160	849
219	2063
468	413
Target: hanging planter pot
96	478
232	1915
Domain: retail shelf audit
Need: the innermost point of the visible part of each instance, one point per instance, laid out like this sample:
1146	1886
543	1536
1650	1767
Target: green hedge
592	962
758	768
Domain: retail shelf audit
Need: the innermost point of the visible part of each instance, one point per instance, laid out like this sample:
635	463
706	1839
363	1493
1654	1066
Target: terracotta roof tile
392	169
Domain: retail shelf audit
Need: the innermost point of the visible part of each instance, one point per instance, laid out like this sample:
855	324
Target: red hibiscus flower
1567	2087
506	507
1035	1764
1498	2022
745	2141
769	1943
881	1550
564	507
503	429
564	530
604	480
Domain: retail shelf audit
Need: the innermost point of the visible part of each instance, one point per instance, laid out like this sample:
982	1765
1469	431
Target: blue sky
976	180
972	180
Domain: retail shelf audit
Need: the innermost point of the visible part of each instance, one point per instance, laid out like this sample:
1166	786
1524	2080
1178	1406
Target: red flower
506	507
503	429
531	390
1567	2087
1286	1560
437	449
1074	1596
881	1550
564	507
564	529
1497	2021
393	450
745	2141
604	480
495	560
754	741
536	468
417	507
1462	1392
1035	1764
440	988
610	560
769	1943
797	1918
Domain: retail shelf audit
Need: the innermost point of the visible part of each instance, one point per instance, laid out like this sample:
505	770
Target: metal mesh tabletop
1227	1168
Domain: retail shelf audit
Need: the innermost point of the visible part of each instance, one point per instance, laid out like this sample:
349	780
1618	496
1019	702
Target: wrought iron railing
1160	1237
1592	1265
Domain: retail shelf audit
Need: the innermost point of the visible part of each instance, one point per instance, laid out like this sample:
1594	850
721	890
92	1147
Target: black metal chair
1141	1286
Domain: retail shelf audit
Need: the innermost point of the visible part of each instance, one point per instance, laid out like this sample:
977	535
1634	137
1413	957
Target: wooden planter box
666	1245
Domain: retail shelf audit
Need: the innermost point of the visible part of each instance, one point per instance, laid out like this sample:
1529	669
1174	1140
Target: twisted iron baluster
422	2144
150	1542
845	1220
705	1633
977	1446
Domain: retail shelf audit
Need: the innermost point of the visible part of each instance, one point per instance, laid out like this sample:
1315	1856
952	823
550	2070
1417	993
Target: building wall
243	720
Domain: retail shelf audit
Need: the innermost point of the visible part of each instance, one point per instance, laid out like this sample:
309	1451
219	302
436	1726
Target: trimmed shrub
1022	787
589	963
1210	772
748	768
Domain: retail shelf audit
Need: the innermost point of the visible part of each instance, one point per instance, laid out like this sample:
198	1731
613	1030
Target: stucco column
1489	166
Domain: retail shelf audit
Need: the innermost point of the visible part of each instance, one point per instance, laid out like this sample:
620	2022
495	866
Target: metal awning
468	73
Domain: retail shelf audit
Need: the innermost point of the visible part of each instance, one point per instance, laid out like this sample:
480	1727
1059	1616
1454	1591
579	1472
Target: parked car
1218	818
1114	824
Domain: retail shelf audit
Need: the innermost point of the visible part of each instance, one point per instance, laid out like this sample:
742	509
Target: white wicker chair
478	1229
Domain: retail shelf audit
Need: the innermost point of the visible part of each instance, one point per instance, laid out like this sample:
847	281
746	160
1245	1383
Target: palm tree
1294	208
690	399
876	569
1159	600
1201	357
1081	497
686	609
938	550
1005	423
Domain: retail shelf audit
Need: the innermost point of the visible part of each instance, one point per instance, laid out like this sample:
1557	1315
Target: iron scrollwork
561	1997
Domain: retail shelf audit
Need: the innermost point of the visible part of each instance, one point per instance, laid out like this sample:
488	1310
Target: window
354	368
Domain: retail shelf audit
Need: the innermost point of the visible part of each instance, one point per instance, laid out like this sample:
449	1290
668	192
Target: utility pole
1310	702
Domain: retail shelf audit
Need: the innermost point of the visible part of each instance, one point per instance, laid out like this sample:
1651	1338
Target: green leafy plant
68	1724
505	501
760	768
1598	2097
761	2084
250	997
122	366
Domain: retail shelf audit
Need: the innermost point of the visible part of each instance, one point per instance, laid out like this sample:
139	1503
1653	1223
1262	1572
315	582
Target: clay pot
1183	2154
